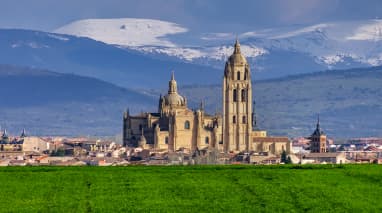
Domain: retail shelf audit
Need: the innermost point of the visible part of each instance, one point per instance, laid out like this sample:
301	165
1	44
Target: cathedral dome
173	98
237	57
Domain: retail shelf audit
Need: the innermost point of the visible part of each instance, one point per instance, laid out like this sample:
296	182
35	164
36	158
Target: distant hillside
48	103
349	102
87	57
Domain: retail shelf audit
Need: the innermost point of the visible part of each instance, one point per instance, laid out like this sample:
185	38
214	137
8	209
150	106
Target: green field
350	188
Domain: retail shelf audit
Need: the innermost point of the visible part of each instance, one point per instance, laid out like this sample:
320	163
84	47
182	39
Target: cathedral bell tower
237	103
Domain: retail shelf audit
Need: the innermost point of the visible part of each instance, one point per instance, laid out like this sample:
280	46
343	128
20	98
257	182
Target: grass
350	188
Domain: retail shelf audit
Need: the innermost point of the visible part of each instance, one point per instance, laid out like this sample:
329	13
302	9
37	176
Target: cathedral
176	127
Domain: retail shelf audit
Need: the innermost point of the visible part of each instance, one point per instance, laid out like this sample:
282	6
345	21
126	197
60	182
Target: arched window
238	75
244	119
187	125
207	140
245	75
243	95
234	119
166	140
234	95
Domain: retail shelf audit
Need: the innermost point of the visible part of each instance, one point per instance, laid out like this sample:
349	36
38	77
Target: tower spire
318	122
237	47
23	134
202	105
172	88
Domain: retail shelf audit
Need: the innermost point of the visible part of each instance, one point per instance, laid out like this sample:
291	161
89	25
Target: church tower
237	103
318	139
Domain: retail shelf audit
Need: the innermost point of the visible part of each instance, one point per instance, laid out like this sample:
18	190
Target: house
328	157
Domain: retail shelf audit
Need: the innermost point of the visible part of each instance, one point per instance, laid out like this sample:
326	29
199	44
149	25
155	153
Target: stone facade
176	127
173	127
237	102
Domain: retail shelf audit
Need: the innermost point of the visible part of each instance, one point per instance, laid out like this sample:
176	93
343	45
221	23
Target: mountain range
272	52
50	103
348	102
140	53
87	57
80	78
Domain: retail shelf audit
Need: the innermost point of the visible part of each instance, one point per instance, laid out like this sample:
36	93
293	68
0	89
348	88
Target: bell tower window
234	119
238	75
243	95
244	119
234	95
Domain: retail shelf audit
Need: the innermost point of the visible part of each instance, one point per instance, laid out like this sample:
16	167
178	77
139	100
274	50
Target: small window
244	120
234	119
207	140
187	125
234	95
166	140
238	75
243	95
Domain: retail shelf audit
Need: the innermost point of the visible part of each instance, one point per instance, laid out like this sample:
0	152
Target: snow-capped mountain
125	32
272	52
87	57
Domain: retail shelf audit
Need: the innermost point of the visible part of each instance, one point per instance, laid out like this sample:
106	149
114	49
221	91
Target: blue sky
197	15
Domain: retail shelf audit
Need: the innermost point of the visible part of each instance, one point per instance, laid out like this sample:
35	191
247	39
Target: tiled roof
322	155
270	139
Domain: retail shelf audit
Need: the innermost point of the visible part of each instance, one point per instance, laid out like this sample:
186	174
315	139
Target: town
27	150
177	135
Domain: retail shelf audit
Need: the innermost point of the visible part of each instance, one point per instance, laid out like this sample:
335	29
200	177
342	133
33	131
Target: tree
59	152
285	158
